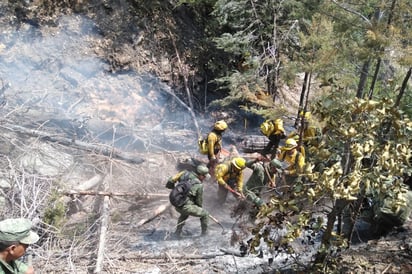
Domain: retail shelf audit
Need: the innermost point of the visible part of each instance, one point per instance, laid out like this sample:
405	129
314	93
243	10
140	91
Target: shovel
216	221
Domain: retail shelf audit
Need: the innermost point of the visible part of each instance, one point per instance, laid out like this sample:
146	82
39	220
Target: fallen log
107	193
157	212
139	257
232	252
96	148
105	212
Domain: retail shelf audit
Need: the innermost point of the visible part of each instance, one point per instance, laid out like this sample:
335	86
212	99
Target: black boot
178	232
204	231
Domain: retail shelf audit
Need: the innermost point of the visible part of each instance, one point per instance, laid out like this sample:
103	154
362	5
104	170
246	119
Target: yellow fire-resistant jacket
214	144
225	173
296	161
311	135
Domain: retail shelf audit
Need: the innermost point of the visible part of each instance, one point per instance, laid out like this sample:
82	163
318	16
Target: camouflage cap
202	170
17	230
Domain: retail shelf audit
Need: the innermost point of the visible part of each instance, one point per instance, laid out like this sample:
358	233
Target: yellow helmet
220	125
290	144
239	163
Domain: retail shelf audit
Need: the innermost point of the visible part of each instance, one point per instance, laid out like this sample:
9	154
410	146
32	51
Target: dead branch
103	227
169	257
232	252
89	184
107	193
158	211
99	148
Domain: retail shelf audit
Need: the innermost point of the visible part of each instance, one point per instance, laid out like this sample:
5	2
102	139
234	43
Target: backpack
202	143
268	127
179	194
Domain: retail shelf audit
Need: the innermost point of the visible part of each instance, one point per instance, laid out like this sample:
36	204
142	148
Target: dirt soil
76	77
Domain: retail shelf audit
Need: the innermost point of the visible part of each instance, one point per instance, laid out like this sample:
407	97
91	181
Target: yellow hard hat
290	144
239	163
220	125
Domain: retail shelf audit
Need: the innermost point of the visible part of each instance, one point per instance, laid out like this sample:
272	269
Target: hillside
92	102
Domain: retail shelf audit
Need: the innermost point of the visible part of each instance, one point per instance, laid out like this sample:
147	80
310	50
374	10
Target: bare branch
353	11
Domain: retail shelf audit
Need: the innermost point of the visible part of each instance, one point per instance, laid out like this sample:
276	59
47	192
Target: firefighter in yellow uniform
294	158
273	129
214	143
311	135
229	176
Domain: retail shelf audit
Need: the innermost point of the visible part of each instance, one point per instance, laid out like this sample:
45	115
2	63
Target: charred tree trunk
403	87
302	97
375	78
363	78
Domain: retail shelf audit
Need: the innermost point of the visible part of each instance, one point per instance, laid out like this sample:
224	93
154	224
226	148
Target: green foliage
366	145
366	141
55	213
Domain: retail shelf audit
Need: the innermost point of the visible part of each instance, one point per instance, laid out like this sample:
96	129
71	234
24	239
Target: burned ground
63	81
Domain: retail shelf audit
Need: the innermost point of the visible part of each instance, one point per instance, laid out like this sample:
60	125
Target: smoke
57	73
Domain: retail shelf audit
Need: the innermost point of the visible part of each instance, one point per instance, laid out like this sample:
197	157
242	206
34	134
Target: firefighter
214	143
264	174
311	135
294	159
192	205
229	176
275	132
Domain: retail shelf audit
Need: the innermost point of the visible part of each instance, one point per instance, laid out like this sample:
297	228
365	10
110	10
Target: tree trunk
363	78
302	97
403	87
375	78
327	236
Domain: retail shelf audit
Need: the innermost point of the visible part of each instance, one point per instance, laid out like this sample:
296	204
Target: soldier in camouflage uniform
193	205
264	174
15	236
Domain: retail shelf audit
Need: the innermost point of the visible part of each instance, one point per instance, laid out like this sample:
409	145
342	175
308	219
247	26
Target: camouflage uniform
193	205
181	176
14	267
15	232
257	181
